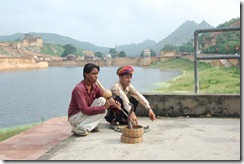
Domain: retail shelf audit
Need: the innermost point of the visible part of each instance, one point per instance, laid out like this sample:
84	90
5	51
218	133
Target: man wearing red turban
125	93
125	70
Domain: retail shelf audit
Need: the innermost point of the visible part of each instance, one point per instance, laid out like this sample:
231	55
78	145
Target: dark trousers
117	115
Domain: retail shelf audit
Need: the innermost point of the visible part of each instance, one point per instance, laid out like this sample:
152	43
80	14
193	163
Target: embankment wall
20	63
79	63
195	105
115	62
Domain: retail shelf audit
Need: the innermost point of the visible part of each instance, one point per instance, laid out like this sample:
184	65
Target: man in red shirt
88	107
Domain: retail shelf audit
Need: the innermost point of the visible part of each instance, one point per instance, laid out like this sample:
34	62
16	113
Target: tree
98	54
153	53
225	43
188	47
141	54
68	49
169	47
17	40
113	52
122	54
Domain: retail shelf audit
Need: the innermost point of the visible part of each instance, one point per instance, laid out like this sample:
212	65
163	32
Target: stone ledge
195	105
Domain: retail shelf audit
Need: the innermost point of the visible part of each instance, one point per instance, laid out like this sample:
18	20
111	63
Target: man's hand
133	118
107	104
110	102
152	115
117	105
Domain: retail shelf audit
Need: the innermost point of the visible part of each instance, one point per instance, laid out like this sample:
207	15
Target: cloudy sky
108	23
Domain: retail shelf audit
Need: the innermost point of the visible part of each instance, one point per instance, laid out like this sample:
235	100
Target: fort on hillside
31	41
28	41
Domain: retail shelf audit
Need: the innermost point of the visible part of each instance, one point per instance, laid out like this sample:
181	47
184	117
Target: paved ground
168	139
33	143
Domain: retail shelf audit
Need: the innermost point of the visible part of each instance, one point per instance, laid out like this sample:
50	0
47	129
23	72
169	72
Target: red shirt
81	101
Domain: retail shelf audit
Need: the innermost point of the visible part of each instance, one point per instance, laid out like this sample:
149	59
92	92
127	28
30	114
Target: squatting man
88	107
125	93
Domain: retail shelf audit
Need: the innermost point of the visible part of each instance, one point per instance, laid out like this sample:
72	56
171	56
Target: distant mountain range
136	49
181	35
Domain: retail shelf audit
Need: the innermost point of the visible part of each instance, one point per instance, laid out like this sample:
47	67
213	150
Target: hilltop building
31	41
146	53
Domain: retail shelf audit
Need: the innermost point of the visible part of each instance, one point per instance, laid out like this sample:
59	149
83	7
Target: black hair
89	67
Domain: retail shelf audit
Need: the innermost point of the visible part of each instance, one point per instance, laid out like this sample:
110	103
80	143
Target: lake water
29	96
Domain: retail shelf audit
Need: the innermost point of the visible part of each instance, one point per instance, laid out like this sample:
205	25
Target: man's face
125	80
92	76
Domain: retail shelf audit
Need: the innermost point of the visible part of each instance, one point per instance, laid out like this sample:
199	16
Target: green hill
182	34
56	39
52	49
222	42
47	49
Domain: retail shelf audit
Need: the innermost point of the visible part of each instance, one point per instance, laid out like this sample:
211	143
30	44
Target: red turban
125	70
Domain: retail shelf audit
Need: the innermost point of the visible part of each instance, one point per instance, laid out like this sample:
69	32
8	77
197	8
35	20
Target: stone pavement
169	138
34	142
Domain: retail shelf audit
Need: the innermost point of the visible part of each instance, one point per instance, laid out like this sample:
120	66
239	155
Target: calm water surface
29	96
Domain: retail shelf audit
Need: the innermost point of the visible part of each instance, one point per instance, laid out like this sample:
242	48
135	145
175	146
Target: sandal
119	128
96	129
79	132
146	129
113	125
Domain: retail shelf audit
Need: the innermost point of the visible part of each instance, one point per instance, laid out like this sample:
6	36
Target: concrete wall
146	61
20	63
121	61
113	62
193	105
171	53
79	63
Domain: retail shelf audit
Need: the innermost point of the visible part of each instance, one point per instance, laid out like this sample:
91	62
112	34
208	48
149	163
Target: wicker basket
132	136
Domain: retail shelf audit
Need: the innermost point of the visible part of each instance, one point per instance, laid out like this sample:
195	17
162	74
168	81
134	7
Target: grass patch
52	49
57	49
212	79
6	133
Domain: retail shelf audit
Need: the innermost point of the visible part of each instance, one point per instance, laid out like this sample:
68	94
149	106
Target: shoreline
167	84
21	63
